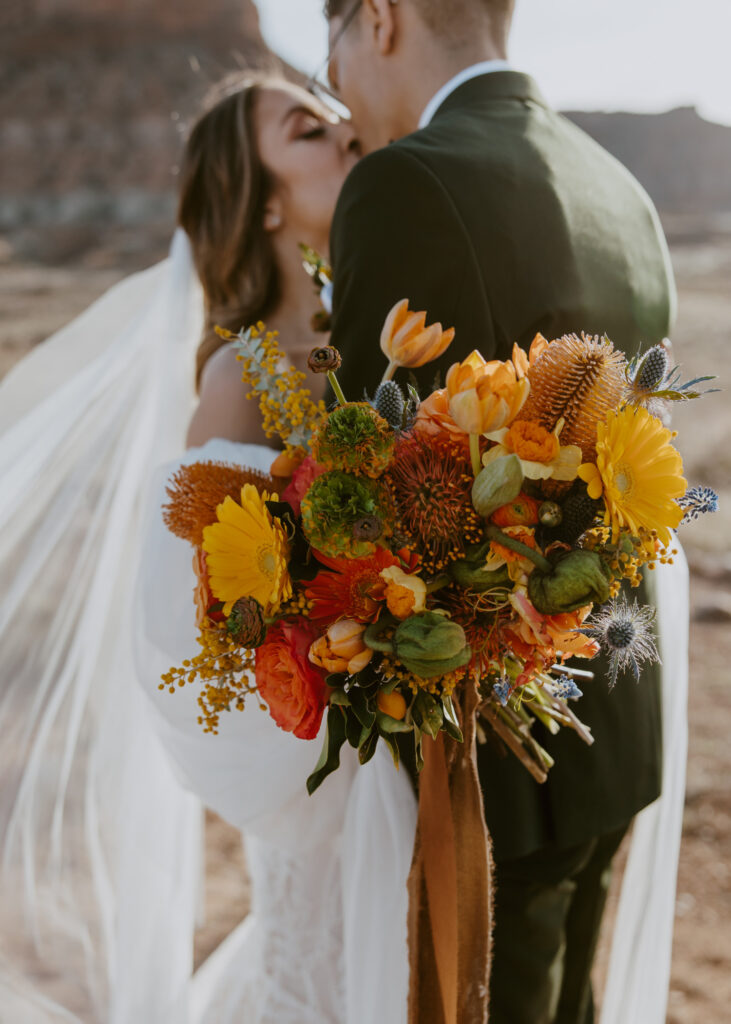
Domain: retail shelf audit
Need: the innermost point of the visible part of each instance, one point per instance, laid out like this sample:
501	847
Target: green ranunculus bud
497	484
578	578
430	644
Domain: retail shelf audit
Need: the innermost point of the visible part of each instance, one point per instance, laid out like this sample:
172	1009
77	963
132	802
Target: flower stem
475	453
518	547
442	580
337	390
390	370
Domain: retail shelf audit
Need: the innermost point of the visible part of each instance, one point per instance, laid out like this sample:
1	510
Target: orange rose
302	479
485	396
407	341
341	648
294	690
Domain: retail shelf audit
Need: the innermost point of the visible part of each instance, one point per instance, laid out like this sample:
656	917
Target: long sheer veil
100	845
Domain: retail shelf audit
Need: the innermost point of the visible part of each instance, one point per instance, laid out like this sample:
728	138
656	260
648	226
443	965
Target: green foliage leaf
390	740
386	724
451	722
428	713
362	707
368	747
330	756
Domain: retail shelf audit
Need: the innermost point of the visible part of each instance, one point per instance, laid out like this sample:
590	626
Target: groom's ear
380	18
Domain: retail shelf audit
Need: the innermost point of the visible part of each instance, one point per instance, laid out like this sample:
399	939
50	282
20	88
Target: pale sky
643	55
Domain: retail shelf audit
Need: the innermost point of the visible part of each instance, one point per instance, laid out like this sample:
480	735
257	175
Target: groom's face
358	74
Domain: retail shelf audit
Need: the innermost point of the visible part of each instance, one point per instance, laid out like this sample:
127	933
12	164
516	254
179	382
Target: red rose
293	688
302	479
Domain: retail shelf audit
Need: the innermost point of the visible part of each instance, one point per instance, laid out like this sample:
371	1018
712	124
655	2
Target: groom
489	210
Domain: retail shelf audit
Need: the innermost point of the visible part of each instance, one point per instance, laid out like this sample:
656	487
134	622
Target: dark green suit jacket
502	219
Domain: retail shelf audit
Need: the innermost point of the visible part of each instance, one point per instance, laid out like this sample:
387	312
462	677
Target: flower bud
430	644
324	359
245	624
391	704
578	578
497	484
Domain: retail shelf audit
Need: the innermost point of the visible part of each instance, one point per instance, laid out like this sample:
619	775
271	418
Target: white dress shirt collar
483	68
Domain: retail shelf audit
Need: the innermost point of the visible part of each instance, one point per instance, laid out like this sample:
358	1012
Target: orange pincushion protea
196	491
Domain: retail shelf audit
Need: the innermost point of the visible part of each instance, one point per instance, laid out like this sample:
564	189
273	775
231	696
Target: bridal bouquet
405	546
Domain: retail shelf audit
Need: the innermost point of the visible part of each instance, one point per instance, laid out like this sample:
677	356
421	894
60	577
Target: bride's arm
223	409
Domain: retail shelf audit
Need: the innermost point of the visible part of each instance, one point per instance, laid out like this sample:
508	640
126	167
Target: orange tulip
485	396
522	361
341	649
407	341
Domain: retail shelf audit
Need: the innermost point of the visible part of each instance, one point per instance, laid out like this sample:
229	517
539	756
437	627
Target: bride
104	780
104	777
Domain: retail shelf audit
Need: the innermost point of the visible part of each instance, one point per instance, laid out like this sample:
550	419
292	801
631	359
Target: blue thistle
697	502
566	689
624	632
502	690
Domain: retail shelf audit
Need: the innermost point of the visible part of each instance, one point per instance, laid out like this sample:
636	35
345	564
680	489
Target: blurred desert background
95	96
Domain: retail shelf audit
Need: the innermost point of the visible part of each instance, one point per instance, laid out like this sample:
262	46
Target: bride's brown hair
223	190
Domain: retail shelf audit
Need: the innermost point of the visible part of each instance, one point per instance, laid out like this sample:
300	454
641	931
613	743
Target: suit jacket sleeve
396	234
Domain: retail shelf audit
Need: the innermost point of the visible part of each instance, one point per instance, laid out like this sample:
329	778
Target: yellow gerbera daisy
246	552
638	472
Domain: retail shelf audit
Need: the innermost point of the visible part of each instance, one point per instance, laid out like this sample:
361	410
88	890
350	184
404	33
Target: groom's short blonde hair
448	17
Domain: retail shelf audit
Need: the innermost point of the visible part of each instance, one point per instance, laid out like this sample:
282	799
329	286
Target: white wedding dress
328	871
103	778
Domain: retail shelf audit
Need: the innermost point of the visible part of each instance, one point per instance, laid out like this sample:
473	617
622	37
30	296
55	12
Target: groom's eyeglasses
315	83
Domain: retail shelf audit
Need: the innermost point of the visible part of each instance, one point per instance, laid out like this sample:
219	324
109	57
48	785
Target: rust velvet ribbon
450	884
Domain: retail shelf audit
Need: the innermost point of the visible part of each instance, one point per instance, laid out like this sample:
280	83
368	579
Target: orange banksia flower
196	491
578	379
407	341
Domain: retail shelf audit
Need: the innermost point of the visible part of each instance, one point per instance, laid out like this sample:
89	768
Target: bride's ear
273	215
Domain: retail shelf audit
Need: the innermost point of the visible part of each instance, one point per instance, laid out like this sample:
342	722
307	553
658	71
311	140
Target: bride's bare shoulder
223	409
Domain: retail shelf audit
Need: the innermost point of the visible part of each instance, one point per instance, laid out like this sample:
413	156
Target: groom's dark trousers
502	219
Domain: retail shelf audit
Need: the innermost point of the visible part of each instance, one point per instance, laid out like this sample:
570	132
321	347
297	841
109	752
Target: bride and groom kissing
490	211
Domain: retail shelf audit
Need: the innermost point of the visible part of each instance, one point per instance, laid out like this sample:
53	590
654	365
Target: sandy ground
35	300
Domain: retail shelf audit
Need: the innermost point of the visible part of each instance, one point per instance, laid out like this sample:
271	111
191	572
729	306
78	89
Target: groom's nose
348	139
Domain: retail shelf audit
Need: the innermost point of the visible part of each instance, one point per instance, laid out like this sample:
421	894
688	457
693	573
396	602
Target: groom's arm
396	234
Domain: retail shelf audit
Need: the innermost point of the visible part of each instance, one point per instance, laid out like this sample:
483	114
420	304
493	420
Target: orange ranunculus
485	396
407	341
294	689
341	648
522	361
433	418
391	704
405	592
539	450
523	511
